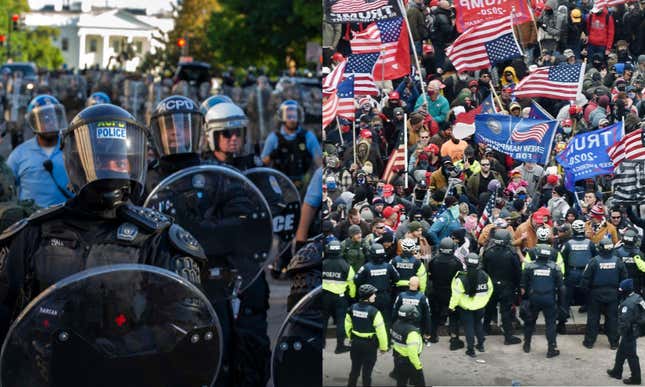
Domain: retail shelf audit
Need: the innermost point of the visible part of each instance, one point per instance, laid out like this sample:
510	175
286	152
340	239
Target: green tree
191	18
244	34
28	45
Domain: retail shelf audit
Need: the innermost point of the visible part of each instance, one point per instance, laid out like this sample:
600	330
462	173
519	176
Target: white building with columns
90	37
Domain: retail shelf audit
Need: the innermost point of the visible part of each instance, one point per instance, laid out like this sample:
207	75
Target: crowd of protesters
432	208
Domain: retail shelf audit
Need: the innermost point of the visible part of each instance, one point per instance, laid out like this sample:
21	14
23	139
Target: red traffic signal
181	42
2	38
15	17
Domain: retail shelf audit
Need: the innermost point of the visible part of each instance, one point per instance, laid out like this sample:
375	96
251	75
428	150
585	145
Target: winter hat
414	226
398	110
538	218
603	101
627	285
388	237
377	200
597	211
493	185
518	205
354	229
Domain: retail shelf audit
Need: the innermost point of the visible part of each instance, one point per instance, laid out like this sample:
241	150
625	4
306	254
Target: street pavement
499	365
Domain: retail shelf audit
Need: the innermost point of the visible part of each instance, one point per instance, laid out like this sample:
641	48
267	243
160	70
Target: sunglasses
228	133
616	217
380	227
424	137
485	165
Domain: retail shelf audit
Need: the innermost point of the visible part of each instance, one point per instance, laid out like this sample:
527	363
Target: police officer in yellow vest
408	265
337	279
365	327
407	346
471	291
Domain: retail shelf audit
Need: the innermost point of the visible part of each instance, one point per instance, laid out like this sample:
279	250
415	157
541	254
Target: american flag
535	132
381	37
484	45
556	82
631	147
332	79
357	5
396	162
609	3
486	215
628	185
362	66
340	102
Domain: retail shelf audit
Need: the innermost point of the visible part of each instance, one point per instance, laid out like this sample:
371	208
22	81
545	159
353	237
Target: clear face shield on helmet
225	127
107	150
176	133
291	115
47	119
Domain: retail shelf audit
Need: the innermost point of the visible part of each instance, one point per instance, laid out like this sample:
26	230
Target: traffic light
15	18
181	42
2	40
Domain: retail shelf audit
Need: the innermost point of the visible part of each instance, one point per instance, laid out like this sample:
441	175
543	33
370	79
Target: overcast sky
151	5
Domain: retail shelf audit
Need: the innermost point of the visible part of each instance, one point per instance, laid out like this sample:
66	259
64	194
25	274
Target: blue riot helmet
45	115
212	101
96	98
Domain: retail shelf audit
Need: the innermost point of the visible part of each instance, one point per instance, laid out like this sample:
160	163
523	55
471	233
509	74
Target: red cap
552	179
573	109
431	148
473	83
337	57
388	211
427	48
394	95
365	133
538	218
388	190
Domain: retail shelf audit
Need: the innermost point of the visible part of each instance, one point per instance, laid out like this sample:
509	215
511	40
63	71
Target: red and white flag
395	163
332	79
609	3
631	147
340	102
389	38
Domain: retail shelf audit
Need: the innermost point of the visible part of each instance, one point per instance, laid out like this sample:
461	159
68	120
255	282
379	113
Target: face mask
621	87
389	199
566	129
463	77
631	95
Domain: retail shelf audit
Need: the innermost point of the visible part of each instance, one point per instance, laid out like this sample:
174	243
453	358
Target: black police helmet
447	246
630	238
377	252
332	249
365	291
606	246
472	260
176	126
105	155
501	237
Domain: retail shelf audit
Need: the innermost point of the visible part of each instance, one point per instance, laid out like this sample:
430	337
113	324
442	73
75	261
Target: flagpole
535	25
414	49
405	147
354	139
499	101
340	132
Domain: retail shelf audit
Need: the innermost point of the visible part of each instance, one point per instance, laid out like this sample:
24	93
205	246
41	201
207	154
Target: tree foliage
190	22
28	45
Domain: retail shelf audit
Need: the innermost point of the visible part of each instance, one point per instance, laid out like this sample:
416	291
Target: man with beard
37	163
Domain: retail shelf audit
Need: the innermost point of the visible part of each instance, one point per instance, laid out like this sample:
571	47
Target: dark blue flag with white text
523	139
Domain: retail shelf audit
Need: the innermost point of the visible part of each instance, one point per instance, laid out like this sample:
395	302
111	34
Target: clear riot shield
284	201
229	217
296	359
120	325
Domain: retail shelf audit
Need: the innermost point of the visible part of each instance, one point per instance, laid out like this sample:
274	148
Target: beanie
354	229
603	101
627	285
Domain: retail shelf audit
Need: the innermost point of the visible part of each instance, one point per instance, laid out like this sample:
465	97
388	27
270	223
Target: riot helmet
578	227
96	98
104	150
472	260
543	234
544	252
408	247
226	120
447	246
630	238
377	252
212	101
175	126
290	112
606	246
46	116
409	313
332	249
501	237
365	291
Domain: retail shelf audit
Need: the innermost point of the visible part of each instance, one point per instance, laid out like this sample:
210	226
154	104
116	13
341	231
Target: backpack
14	210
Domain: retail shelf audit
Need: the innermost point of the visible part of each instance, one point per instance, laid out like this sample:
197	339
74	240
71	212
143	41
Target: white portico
93	38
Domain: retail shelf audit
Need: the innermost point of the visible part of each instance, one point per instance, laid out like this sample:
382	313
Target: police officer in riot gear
225	129
337	279
365	327
96	98
576	254
408	265
544	239
441	270
471	291
542	285
176	127
629	315
291	149
500	262
626	252
382	275
407	346
602	277
104	152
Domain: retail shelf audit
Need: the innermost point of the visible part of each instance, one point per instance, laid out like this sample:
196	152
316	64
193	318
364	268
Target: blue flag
537	112
523	139
586	154
488	105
